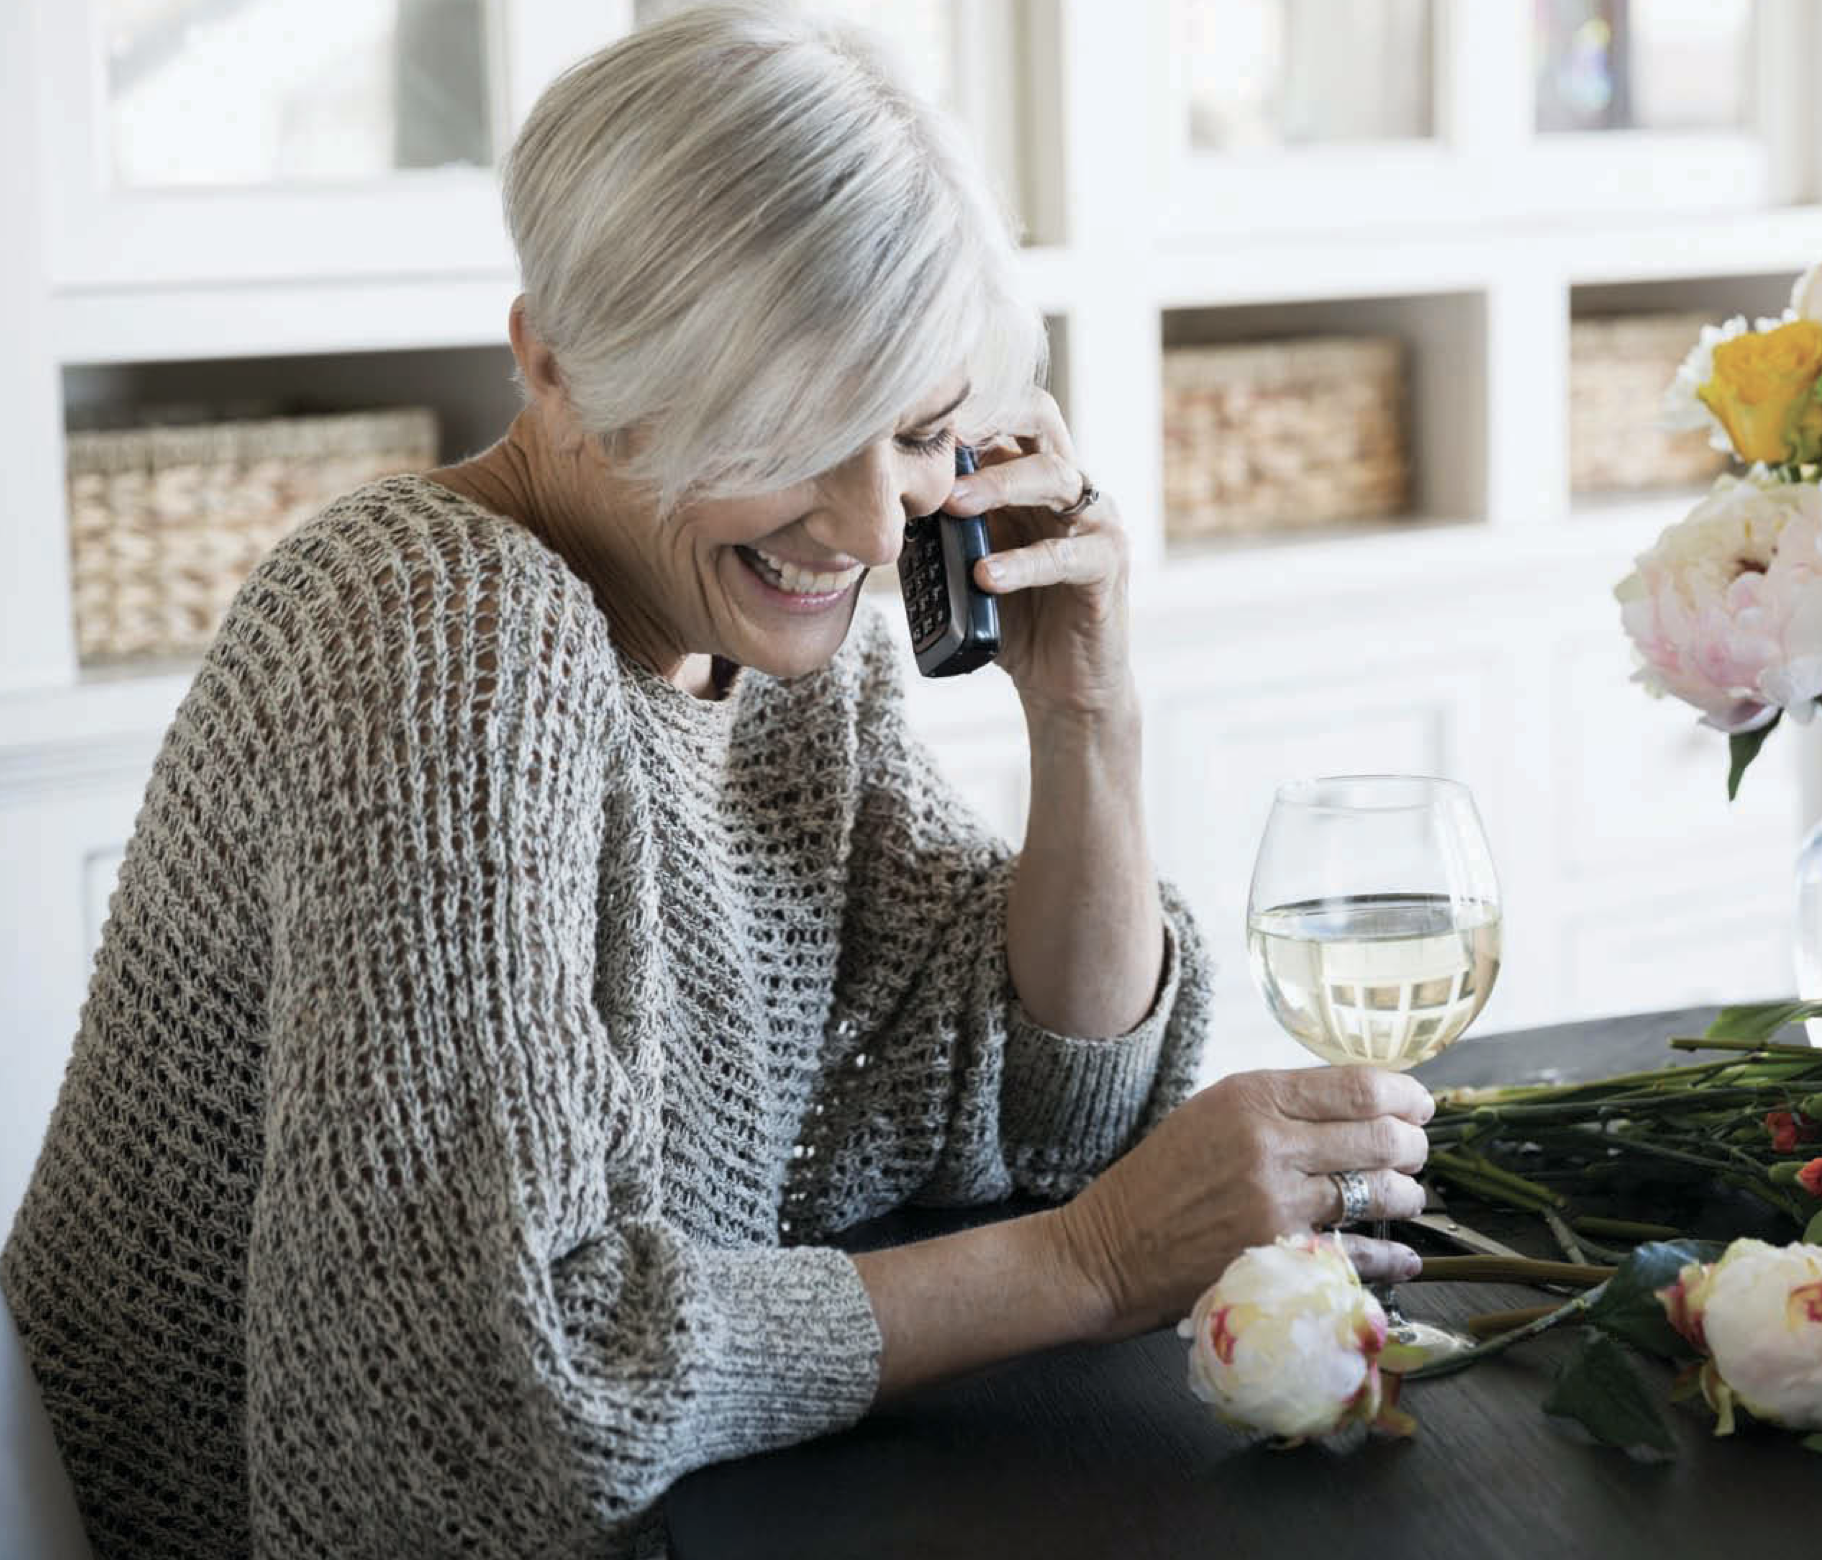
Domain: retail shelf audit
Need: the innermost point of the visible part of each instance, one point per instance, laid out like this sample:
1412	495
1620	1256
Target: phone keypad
922	581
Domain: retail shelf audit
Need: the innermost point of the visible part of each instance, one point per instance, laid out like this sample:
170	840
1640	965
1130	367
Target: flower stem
1493	1323
1638	1145
1565	1237
1509	1270
1469	1168
1500	1342
1769	1048
1623	1229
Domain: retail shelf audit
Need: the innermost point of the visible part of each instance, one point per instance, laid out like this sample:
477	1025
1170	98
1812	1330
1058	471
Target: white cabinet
65	814
1476	638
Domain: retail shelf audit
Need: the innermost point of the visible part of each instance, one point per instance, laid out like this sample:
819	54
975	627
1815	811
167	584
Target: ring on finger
1356	1196
1090	494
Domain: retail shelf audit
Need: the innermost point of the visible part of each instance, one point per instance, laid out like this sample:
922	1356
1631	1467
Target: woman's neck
545	490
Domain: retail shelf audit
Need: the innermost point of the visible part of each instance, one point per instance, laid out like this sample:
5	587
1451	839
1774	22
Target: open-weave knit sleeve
469	1327
1022	1107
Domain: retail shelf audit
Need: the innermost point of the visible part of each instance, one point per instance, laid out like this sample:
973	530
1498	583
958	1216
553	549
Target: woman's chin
789	635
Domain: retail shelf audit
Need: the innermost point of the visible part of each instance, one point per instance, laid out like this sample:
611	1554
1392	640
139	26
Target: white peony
1726	610
1757	1314
1288	1341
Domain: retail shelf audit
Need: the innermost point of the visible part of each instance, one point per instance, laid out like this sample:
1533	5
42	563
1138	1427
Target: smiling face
768	580
772	581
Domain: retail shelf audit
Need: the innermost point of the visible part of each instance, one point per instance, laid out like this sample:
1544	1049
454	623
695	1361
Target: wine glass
1373	930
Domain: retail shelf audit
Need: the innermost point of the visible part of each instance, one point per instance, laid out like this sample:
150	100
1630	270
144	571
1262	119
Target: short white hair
743	236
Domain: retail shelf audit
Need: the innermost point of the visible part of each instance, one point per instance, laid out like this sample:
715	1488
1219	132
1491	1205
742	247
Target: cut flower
1789	1128
1757	1315
1762	391
1726	610
1289	1342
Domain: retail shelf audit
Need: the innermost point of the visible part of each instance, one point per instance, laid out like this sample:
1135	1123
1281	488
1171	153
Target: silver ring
1090	494
1355	1198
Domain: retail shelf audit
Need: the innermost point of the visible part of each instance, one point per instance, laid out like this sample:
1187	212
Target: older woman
542	932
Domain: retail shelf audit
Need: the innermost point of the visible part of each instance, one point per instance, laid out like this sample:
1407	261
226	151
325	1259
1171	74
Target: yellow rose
1763	390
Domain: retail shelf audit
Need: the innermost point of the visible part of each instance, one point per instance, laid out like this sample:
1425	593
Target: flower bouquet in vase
1725	611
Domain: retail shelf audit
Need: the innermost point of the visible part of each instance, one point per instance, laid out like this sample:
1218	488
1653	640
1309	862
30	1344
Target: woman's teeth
799	581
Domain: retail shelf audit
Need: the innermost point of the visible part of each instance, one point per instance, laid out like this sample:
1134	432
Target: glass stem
1385	1292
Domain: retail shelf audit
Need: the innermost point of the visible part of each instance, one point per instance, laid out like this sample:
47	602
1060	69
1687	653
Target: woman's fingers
1048	430
1044	479
1351	1094
1390	1195
1383	1143
1039	426
1081	558
1381	1261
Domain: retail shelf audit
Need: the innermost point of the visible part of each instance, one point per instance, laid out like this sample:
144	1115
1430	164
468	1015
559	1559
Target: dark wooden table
1102	1452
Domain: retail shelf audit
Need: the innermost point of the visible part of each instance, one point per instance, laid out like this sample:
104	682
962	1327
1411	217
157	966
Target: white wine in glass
1373	929
1384	979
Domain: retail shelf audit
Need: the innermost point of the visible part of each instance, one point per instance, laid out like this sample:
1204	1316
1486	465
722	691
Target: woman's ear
543	379
537	363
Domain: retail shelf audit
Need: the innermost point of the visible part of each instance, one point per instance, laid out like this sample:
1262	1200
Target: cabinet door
274	139
1669	895
1215	756
60	849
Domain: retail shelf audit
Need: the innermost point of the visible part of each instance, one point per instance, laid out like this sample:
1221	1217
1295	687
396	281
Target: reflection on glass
919	32
1271	73
214	92
1643	64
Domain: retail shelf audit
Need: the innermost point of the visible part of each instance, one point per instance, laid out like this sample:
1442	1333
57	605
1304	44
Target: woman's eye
929	444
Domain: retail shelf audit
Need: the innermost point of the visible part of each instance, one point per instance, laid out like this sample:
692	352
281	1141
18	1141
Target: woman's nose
875	494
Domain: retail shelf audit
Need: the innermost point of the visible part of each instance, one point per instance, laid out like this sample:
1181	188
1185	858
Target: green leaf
1744	746
1627	1305
1598	1388
1813	1235
1756	1021
1813	1442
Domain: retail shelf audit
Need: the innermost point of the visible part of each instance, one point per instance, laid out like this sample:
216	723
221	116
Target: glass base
1433	1342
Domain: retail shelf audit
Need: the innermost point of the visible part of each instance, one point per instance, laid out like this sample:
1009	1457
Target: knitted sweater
485	1036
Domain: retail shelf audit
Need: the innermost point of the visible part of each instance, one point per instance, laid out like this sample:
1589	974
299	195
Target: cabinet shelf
279	318
283	317
1420	260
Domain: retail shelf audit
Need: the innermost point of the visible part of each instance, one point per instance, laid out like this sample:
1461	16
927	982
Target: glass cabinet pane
264	92
1643	64
1275	73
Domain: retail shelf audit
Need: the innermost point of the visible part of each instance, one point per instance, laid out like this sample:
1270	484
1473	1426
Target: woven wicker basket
1618	369
1281	435
166	522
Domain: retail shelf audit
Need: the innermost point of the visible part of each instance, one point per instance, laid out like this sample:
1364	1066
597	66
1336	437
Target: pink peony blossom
1726	609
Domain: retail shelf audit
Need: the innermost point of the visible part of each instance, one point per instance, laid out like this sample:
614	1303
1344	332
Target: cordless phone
955	625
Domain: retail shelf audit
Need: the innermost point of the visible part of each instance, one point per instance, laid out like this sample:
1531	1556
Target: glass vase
1808	896
1809	925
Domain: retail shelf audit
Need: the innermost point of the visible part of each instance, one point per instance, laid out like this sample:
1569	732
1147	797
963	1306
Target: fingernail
964	490
1410	1265
996	573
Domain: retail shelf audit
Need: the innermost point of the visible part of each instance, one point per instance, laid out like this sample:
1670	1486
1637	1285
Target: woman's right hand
1242	1162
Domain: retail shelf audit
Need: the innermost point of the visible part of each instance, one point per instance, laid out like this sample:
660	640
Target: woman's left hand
1061	579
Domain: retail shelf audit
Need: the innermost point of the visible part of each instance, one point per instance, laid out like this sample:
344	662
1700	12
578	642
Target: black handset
955	625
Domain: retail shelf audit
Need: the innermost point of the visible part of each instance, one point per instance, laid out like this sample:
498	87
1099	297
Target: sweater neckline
711	720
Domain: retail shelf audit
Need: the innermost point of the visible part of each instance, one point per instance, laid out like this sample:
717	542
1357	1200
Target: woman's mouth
800	587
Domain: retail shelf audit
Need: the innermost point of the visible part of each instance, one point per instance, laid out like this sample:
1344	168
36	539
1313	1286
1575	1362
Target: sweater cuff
1070	1107
797	1356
